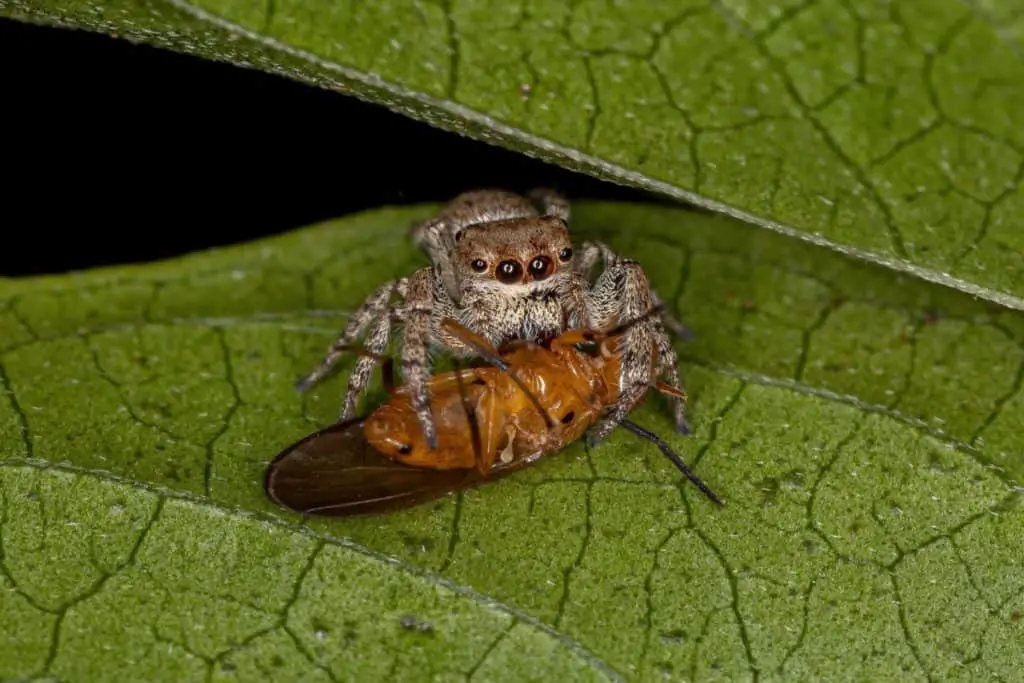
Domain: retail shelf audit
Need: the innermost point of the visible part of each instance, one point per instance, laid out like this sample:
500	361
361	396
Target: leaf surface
862	426
894	131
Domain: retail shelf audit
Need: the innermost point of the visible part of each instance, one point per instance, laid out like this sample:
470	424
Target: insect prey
526	401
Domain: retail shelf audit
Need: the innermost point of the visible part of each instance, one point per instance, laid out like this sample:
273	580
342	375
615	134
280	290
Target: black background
119	153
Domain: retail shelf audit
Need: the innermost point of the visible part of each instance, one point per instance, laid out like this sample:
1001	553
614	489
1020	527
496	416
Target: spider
503	266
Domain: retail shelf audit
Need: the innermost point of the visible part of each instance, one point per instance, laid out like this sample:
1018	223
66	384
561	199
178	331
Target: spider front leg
622	293
550	202
419	308
591	252
375	342
435	238
668	361
375	307
668	367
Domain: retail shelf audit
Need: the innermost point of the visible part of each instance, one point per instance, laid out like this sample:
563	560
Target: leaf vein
348	544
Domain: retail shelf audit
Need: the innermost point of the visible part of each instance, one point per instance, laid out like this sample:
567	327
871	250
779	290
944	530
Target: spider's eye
565	254
479	265
540	267
509	272
458	236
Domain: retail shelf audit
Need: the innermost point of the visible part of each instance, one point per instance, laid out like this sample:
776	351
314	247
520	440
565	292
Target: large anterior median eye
509	272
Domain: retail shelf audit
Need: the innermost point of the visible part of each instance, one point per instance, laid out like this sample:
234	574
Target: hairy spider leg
387	363
375	317
586	336
622	291
592	251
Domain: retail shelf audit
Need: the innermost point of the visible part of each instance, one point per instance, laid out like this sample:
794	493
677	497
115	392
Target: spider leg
676	328
375	306
434	237
423	233
574	304
550	202
621	293
591	252
377	338
387	365
419	305
668	367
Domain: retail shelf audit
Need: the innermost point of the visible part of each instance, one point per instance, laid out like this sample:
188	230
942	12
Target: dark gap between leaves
121	153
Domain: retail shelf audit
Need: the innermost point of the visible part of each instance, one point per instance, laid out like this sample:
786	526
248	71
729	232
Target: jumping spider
503	265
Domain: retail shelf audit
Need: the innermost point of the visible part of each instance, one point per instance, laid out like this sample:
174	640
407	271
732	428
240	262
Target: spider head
519	256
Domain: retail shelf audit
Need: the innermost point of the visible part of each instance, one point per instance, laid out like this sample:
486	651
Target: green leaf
863	427
894	131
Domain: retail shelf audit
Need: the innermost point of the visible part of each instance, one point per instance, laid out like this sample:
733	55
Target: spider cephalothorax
517	280
504	266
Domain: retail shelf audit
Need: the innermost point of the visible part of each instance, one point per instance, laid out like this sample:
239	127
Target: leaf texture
889	130
862	426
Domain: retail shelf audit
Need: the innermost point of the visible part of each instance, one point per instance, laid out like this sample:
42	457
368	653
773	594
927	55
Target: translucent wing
335	472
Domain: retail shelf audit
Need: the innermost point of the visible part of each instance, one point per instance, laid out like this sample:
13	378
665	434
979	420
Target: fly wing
335	472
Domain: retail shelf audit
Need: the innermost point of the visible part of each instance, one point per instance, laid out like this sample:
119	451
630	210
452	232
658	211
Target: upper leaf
862	426
890	130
